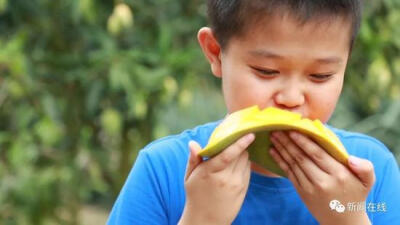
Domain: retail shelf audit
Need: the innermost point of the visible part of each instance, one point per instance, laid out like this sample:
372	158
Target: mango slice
262	122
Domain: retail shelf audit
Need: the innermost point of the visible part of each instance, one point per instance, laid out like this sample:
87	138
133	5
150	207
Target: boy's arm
140	201
215	189
325	185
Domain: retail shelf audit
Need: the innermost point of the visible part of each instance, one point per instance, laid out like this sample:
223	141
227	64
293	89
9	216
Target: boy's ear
211	49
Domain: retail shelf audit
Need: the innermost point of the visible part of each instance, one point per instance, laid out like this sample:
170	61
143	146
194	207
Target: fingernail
250	137
192	143
354	161
293	134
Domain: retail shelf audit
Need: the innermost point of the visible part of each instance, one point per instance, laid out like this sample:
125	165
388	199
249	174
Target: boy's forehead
268	54
282	15
287	22
320	43
276	31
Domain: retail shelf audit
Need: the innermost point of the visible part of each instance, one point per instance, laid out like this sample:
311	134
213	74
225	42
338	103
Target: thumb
364	170
194	158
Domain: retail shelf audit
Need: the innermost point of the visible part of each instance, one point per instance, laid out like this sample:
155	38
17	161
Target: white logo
336	205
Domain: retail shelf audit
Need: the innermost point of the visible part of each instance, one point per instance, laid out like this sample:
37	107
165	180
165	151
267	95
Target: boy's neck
263	171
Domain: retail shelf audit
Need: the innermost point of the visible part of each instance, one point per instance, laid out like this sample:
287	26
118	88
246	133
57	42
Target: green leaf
111	121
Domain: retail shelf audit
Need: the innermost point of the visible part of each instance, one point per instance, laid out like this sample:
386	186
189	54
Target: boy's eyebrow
268	54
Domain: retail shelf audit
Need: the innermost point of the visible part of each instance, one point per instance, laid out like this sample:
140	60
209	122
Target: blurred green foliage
85	84
370	101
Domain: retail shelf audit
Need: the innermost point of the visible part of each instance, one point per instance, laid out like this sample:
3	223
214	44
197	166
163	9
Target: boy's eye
320	77
266	72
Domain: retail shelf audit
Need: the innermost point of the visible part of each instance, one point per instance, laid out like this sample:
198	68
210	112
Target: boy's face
283	64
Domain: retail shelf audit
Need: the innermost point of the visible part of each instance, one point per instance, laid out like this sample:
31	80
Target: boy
290	54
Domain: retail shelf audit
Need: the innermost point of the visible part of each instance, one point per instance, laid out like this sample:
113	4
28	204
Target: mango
262	122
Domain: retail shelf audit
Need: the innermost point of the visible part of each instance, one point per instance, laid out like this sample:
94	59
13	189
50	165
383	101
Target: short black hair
229	17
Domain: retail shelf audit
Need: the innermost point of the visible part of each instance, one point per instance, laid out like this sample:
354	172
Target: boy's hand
319	178
215	189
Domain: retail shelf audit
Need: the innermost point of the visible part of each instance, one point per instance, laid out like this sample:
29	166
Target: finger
225	158
364	170
314	174
302	178
284	166
194	158
324	161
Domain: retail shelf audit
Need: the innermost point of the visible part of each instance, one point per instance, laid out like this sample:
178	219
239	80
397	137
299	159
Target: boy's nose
289	98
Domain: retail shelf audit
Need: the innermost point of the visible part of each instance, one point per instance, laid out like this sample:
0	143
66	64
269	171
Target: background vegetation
84	84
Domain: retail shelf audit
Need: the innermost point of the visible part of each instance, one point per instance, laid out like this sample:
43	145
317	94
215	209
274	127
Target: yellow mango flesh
262	122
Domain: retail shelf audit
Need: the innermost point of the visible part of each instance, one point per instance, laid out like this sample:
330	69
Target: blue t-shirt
154	190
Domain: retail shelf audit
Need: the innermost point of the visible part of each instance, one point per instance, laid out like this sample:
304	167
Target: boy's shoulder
358	138
178	143
363	145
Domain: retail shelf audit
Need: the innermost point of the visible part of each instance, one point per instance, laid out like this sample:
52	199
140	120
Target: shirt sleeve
386	208
140	201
